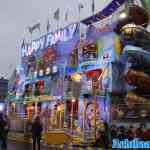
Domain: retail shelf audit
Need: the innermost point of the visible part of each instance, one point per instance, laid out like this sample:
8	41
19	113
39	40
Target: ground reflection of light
1	107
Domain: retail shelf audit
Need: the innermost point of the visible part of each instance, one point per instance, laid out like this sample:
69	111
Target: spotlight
122	15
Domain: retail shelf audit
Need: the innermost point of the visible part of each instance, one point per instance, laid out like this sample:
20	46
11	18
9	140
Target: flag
56	14
34	27
30	29
93	6
67	14
80	6
48	25
23	43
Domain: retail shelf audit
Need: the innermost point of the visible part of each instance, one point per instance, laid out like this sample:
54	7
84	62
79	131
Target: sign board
62	35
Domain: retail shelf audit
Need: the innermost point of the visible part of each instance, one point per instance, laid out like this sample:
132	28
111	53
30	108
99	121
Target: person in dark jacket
103	137
113	132
3	132
121	135
140	131
36	132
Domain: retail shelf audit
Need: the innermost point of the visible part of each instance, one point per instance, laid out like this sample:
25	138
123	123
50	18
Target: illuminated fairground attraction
82	75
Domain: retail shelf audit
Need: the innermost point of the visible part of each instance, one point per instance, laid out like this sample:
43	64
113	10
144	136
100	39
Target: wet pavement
18	146
22	146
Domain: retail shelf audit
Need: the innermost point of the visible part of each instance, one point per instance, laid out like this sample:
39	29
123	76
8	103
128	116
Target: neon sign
48	40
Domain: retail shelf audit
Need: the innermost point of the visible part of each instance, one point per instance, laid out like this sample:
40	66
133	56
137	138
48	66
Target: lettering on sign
48	40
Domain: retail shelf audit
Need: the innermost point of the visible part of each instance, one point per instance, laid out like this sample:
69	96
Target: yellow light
130	25
76	77
58	108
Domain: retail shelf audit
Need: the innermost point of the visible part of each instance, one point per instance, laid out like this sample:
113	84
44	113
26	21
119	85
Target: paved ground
22	146
18	146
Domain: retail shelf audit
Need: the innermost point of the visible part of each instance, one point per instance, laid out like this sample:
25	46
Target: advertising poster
17	81
106	49
56	87
102	111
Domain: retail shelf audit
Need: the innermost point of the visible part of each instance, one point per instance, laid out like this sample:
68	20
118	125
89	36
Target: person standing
3	132
140	131
36	132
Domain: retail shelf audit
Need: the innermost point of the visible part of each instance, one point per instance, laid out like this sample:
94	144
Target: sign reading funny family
48	40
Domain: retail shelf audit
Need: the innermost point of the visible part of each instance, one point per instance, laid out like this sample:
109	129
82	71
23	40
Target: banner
102	111
106	47
48	40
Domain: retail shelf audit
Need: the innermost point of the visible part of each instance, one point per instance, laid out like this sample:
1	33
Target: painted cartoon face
90	114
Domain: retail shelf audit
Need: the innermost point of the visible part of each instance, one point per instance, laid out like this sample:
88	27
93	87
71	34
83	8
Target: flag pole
93	8
58	20
39	29
80	6
79	20
30	31
58	24
57	17
39	32
67	15
31	36
48	25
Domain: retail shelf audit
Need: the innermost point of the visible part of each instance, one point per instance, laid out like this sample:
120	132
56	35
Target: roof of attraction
108	10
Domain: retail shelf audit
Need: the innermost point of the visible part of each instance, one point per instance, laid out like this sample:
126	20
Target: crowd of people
108	133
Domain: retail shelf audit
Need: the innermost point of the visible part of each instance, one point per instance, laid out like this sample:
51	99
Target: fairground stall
69	77
38	86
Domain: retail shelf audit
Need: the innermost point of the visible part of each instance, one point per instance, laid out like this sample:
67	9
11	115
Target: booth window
74	57
28	90
90	52
39	88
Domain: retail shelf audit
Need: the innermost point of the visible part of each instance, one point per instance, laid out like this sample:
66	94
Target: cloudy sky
17	15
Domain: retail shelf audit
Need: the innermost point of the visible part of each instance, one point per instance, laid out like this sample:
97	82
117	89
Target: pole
60	119
93	86
94	97
79	45
72	117
63	91
31	37
39	32
93	7
57	24
84	121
